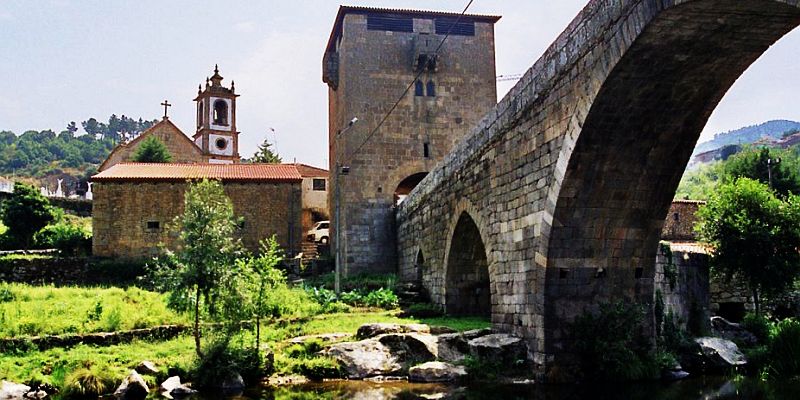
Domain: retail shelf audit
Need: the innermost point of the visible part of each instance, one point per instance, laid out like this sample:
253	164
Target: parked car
319	233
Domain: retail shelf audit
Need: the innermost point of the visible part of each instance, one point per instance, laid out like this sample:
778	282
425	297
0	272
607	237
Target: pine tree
265	154
152	151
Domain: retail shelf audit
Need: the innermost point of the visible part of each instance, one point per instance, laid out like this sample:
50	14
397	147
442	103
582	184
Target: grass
364	282
27	310
10	257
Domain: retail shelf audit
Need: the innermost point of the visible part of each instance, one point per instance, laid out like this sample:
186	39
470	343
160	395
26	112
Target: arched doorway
419	267
407	185
467	282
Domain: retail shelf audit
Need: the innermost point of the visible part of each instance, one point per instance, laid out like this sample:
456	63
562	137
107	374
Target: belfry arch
467	285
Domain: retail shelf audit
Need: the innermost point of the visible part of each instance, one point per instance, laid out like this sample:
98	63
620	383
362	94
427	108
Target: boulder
367	331
13	391
325	338
499	348
173	388
388	354
146	368
365	358
233	384
713	354
436	371
453	347
133	387
732	331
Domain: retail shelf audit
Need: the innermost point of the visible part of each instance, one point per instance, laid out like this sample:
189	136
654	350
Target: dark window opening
426	151
220	112
389	22
639	272
562	273
426	62
200	113
153	225
318	185
419	89
431	89
452	26
406	186
221	143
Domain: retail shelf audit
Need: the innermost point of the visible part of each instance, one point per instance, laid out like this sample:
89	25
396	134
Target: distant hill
749	134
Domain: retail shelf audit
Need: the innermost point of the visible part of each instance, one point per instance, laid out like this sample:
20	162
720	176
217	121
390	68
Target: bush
610	344
383	298
222	360
69	239
88	383
758	325
424	310
784	349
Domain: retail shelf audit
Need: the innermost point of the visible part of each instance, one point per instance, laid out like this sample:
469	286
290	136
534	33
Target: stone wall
122	211
179	145
68	271
375	67
570	177
684	285
681	219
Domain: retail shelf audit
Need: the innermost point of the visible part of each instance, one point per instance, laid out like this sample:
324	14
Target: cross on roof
166	104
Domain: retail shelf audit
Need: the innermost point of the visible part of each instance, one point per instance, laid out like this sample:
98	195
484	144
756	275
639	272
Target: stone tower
373	56
216	121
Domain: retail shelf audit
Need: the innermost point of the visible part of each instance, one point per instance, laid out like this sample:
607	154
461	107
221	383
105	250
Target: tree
265	155
205	279
152	151
268	277
754	236
25	213
752	164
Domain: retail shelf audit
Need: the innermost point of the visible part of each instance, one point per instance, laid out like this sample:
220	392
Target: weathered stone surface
732	331
12	391
133	387
436	371
371	330
388	354
326	337
499	348
232	384
713	354
569	178
173	388
453	347
147	368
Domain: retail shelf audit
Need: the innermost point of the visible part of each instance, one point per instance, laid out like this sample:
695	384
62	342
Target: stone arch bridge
555	201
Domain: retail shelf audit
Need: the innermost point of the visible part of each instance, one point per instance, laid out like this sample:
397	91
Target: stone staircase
410	293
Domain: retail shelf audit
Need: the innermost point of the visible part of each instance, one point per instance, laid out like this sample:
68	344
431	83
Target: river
703	388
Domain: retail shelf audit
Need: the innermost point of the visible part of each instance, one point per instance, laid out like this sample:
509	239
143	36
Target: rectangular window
390	22
445	25
153	225
319	185
426	150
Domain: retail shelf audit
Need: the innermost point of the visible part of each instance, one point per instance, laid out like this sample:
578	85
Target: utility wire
410	85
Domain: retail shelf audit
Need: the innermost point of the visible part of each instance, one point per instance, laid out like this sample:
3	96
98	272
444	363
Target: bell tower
216	121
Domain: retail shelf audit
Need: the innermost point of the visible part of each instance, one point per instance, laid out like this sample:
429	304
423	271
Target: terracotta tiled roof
183	172
145	134
307	171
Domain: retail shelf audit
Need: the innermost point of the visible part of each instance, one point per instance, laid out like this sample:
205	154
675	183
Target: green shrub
319	368
69	239
383	298
784	349
6	294
610	344
88	383
222	359
758	325
424	310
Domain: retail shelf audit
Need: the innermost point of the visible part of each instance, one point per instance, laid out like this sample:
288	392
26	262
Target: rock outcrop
133	387
713	354
367	331
436	371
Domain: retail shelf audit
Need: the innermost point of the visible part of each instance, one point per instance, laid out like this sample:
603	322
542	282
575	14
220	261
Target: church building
135	204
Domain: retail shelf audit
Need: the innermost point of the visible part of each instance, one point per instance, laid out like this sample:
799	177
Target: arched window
431	89
220	112
418	89
201	111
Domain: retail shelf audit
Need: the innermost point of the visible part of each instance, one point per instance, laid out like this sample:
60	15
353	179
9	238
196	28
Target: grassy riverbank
31	310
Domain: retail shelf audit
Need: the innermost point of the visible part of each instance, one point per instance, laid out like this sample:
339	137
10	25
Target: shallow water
705	388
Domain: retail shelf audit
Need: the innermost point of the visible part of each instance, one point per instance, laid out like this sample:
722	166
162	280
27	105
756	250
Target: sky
69	60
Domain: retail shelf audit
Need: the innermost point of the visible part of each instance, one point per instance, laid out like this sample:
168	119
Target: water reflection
706	388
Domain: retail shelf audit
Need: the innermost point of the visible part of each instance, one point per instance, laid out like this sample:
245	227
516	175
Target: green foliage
658	312
264	154
383	298
754	236
50	310
152	150
784	349
304	359
483	370
222	359
69	239
610	344
670	269
361	282
203	277
758	325
424	310
25	213
88	383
